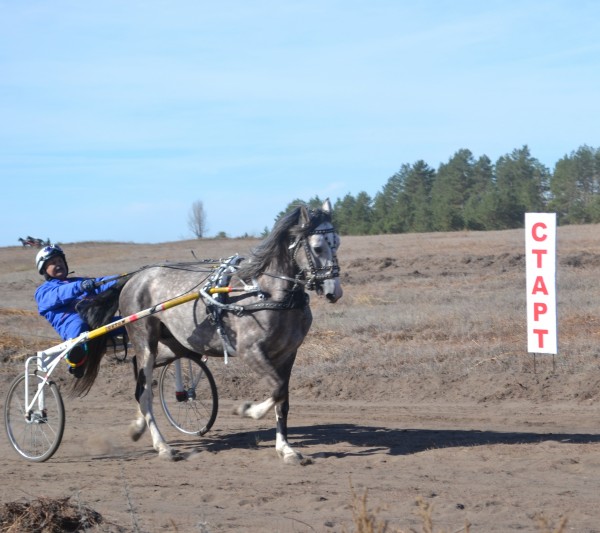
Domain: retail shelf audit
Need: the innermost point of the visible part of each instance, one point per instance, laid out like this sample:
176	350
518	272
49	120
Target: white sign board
540	253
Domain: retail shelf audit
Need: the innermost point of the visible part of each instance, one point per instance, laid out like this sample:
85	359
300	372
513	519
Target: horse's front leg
144	398
282	446
279	378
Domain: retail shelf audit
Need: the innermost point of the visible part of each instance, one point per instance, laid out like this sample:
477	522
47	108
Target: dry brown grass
436	316
367	520
47	515
442	308
545	526
17	347
450	305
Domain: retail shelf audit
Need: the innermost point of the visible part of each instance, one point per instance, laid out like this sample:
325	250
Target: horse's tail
97	312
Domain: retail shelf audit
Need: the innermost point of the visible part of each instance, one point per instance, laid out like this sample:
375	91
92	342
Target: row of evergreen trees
470	194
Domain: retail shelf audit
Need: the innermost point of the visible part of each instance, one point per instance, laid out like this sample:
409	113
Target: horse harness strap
296	300
216	305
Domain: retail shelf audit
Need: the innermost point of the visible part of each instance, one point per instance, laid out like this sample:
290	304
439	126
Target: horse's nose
334	295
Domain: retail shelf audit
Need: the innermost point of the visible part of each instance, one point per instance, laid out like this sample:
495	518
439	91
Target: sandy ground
497	466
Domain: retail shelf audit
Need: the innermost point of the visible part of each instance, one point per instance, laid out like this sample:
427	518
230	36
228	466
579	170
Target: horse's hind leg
143	394
137	426
255	410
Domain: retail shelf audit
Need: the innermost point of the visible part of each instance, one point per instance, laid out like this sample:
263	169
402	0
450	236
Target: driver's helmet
46	253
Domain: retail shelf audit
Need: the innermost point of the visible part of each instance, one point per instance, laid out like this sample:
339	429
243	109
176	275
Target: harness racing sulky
255	308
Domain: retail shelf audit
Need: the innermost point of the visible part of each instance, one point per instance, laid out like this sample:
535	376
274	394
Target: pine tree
575	185
343	211
414	205
479	204
522	184
451	190
386	217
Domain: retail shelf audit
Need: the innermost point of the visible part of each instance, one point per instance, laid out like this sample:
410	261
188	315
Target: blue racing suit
56	300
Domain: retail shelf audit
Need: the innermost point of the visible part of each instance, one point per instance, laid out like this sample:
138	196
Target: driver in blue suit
57	296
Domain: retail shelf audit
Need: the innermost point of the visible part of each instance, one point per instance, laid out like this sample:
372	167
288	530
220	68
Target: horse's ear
304	215
326	207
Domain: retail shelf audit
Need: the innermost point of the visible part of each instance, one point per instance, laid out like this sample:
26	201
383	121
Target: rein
189	266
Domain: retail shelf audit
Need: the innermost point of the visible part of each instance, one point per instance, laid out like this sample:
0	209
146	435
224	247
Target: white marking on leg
286	452
256	410
282	446
137	426
158	441
145	401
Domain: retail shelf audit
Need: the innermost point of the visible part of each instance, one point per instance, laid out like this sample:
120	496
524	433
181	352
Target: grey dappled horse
265	323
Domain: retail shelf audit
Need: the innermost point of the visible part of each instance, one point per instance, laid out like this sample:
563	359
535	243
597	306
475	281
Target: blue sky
116	116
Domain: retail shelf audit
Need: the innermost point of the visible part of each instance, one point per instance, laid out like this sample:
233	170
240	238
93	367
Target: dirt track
492	467
496	464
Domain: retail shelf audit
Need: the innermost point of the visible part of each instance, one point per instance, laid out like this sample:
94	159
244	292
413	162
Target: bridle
313	277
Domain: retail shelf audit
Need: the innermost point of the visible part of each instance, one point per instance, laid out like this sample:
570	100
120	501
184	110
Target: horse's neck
276	280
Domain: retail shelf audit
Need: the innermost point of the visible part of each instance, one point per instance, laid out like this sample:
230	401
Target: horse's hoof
295	458
135	432
169	454
241	410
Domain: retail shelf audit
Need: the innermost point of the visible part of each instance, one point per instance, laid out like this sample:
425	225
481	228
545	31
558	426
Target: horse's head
319	240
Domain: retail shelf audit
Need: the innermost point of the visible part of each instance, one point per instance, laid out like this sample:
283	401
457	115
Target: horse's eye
318	250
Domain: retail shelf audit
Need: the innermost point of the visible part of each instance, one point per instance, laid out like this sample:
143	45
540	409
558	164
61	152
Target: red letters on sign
539	286
534	232
539	308
540	254
540	333
541	269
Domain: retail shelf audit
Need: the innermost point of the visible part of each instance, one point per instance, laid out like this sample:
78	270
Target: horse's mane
274	248
100	310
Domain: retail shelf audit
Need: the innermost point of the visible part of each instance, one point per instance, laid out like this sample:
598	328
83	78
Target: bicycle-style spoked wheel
34	434
192	407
